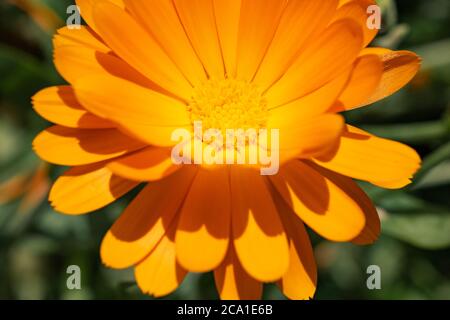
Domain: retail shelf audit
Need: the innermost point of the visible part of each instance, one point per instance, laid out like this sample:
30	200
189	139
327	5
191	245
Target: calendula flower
142	69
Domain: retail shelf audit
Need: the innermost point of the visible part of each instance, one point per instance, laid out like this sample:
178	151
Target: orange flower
142	69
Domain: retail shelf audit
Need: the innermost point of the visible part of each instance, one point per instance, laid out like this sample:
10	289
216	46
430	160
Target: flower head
142	69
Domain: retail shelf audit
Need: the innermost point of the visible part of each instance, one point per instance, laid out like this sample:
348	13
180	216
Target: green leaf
400	201
437	176
413	133
437	157
11	142
395	36
424	230
434	55
389	11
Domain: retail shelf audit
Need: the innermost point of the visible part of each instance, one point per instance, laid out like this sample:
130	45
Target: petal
139	49
365	79
83	37
204	229
87	6
149	164
400	67
76	62
36	189
86	10
85	189
319	202
197	17
161	20
357	10
160	274
382	162
80	51
74	147
59	105
228	15
233	283
13	188
372	229
258	24
302	21
323	60
313	104
144	113
300	281
306	139
258	234
145	221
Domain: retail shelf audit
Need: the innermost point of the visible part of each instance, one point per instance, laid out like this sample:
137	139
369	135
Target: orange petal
149	164
76	62
313	104
59	105
144	113
365	79
80	51
324	59
74	147
372	229
83	37
344	2
86	10
382	162
302	21
160	274
41	14
161	20
139	49
258	24
197	17
258	234
233	283
228	15
300	281
204	229
13	188
306	139
36	190
400	67
357	10
84	189
319	202
145	221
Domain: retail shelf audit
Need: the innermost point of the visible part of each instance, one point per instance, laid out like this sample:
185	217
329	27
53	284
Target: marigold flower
142	69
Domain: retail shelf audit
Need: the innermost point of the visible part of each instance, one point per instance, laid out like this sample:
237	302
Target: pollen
228	104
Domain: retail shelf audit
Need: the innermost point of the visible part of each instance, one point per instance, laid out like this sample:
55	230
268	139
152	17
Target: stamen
228	104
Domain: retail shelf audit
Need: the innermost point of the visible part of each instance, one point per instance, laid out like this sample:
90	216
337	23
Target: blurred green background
37	244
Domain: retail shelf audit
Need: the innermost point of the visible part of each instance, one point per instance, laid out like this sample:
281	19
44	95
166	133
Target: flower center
228	104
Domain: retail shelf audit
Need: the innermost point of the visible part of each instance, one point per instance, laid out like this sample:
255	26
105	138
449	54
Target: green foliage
425	230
